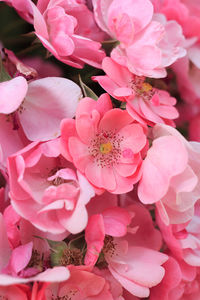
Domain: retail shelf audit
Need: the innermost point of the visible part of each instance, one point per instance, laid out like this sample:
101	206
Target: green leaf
4	76
87	92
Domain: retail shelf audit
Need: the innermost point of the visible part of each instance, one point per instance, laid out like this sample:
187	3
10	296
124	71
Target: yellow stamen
106	148
146	87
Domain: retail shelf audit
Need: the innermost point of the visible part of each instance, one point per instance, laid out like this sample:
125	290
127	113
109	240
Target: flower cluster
99	178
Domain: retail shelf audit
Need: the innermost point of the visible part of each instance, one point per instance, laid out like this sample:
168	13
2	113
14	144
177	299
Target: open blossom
65	28
145	104
113	221
174	172
134	257
46	191
104	144
146	46
82	284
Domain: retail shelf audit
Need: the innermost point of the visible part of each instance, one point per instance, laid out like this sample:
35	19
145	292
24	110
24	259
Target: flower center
142	89
105	148
71	257
146	87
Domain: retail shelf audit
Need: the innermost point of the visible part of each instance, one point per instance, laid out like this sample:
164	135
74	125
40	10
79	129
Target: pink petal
20	258
48	101
158	170
116	220
94	236
114	120
12	93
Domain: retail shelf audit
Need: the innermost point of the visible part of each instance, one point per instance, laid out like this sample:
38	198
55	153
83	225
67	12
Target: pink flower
112	221
146	46
66	29
172	165
181	282
46	191
131	259
104	144
82	284
145	104
184	240
137	269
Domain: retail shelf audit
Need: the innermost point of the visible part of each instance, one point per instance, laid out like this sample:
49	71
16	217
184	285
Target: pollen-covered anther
142	89
36	260
146	87
106	148
71	257
109	246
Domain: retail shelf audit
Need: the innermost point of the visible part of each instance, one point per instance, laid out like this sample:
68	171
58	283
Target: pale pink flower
146	46
104	144
46	191
82	284
145	104
172	165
